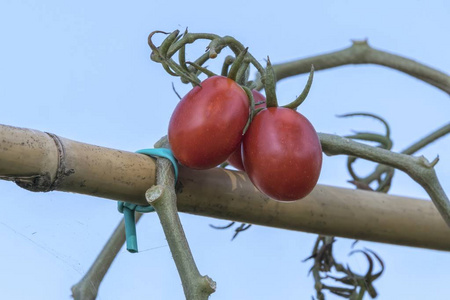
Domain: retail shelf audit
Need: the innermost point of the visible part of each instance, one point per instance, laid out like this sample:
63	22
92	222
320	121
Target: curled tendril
239	229
222	227
355	285
175	91
383	179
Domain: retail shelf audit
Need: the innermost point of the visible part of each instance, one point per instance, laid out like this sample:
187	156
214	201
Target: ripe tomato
235	158
207	124
282	154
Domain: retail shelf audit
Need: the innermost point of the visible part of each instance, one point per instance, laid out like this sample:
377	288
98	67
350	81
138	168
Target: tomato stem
226	65
243	72
296	103
177	42
189	38
155	51
202	69
251	84
166	67
232	74
252	108
182	73
164	47
182	58
269	85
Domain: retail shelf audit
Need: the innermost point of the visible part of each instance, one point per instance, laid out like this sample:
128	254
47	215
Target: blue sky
82	70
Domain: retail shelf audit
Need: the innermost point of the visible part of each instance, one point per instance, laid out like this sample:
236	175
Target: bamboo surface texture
41	161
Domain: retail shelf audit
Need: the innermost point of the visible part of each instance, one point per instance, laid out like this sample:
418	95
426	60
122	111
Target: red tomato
207	124
282	154
235	159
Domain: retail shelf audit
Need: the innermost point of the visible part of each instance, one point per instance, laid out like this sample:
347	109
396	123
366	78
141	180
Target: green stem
182	73
226	65
237	64
163	198
156	56
428	139
243	73
216	45
182	59
252	108
202	69
384	141
270	85
418	168
189	38
168	41
297	102
361	53
358	114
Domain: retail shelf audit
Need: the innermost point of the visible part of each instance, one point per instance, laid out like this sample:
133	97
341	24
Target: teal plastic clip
129	209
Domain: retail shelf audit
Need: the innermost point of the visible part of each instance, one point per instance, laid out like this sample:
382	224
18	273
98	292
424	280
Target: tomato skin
235	158
207	124
282	154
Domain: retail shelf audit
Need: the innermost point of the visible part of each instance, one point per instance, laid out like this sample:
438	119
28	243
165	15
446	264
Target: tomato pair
280	151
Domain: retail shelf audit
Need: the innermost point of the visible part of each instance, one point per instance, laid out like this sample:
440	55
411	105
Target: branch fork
163	198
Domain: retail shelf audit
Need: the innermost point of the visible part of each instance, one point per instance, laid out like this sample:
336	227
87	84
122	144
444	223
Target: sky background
81	70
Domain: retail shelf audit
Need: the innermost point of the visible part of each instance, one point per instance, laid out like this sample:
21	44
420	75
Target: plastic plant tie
129	209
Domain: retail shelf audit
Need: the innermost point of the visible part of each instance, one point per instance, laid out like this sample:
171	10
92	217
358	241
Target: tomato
282	154
207	124
235	158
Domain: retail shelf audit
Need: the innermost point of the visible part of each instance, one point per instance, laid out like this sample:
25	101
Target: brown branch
87	287
361	53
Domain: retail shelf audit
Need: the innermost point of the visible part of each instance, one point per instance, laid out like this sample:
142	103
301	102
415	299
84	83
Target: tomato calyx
251	113
238	66
176	42
236	69
270	83
297	102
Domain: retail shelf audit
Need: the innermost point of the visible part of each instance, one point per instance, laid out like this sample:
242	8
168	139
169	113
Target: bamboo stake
29	156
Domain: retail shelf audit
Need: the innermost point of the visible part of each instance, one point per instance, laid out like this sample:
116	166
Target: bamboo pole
42	162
